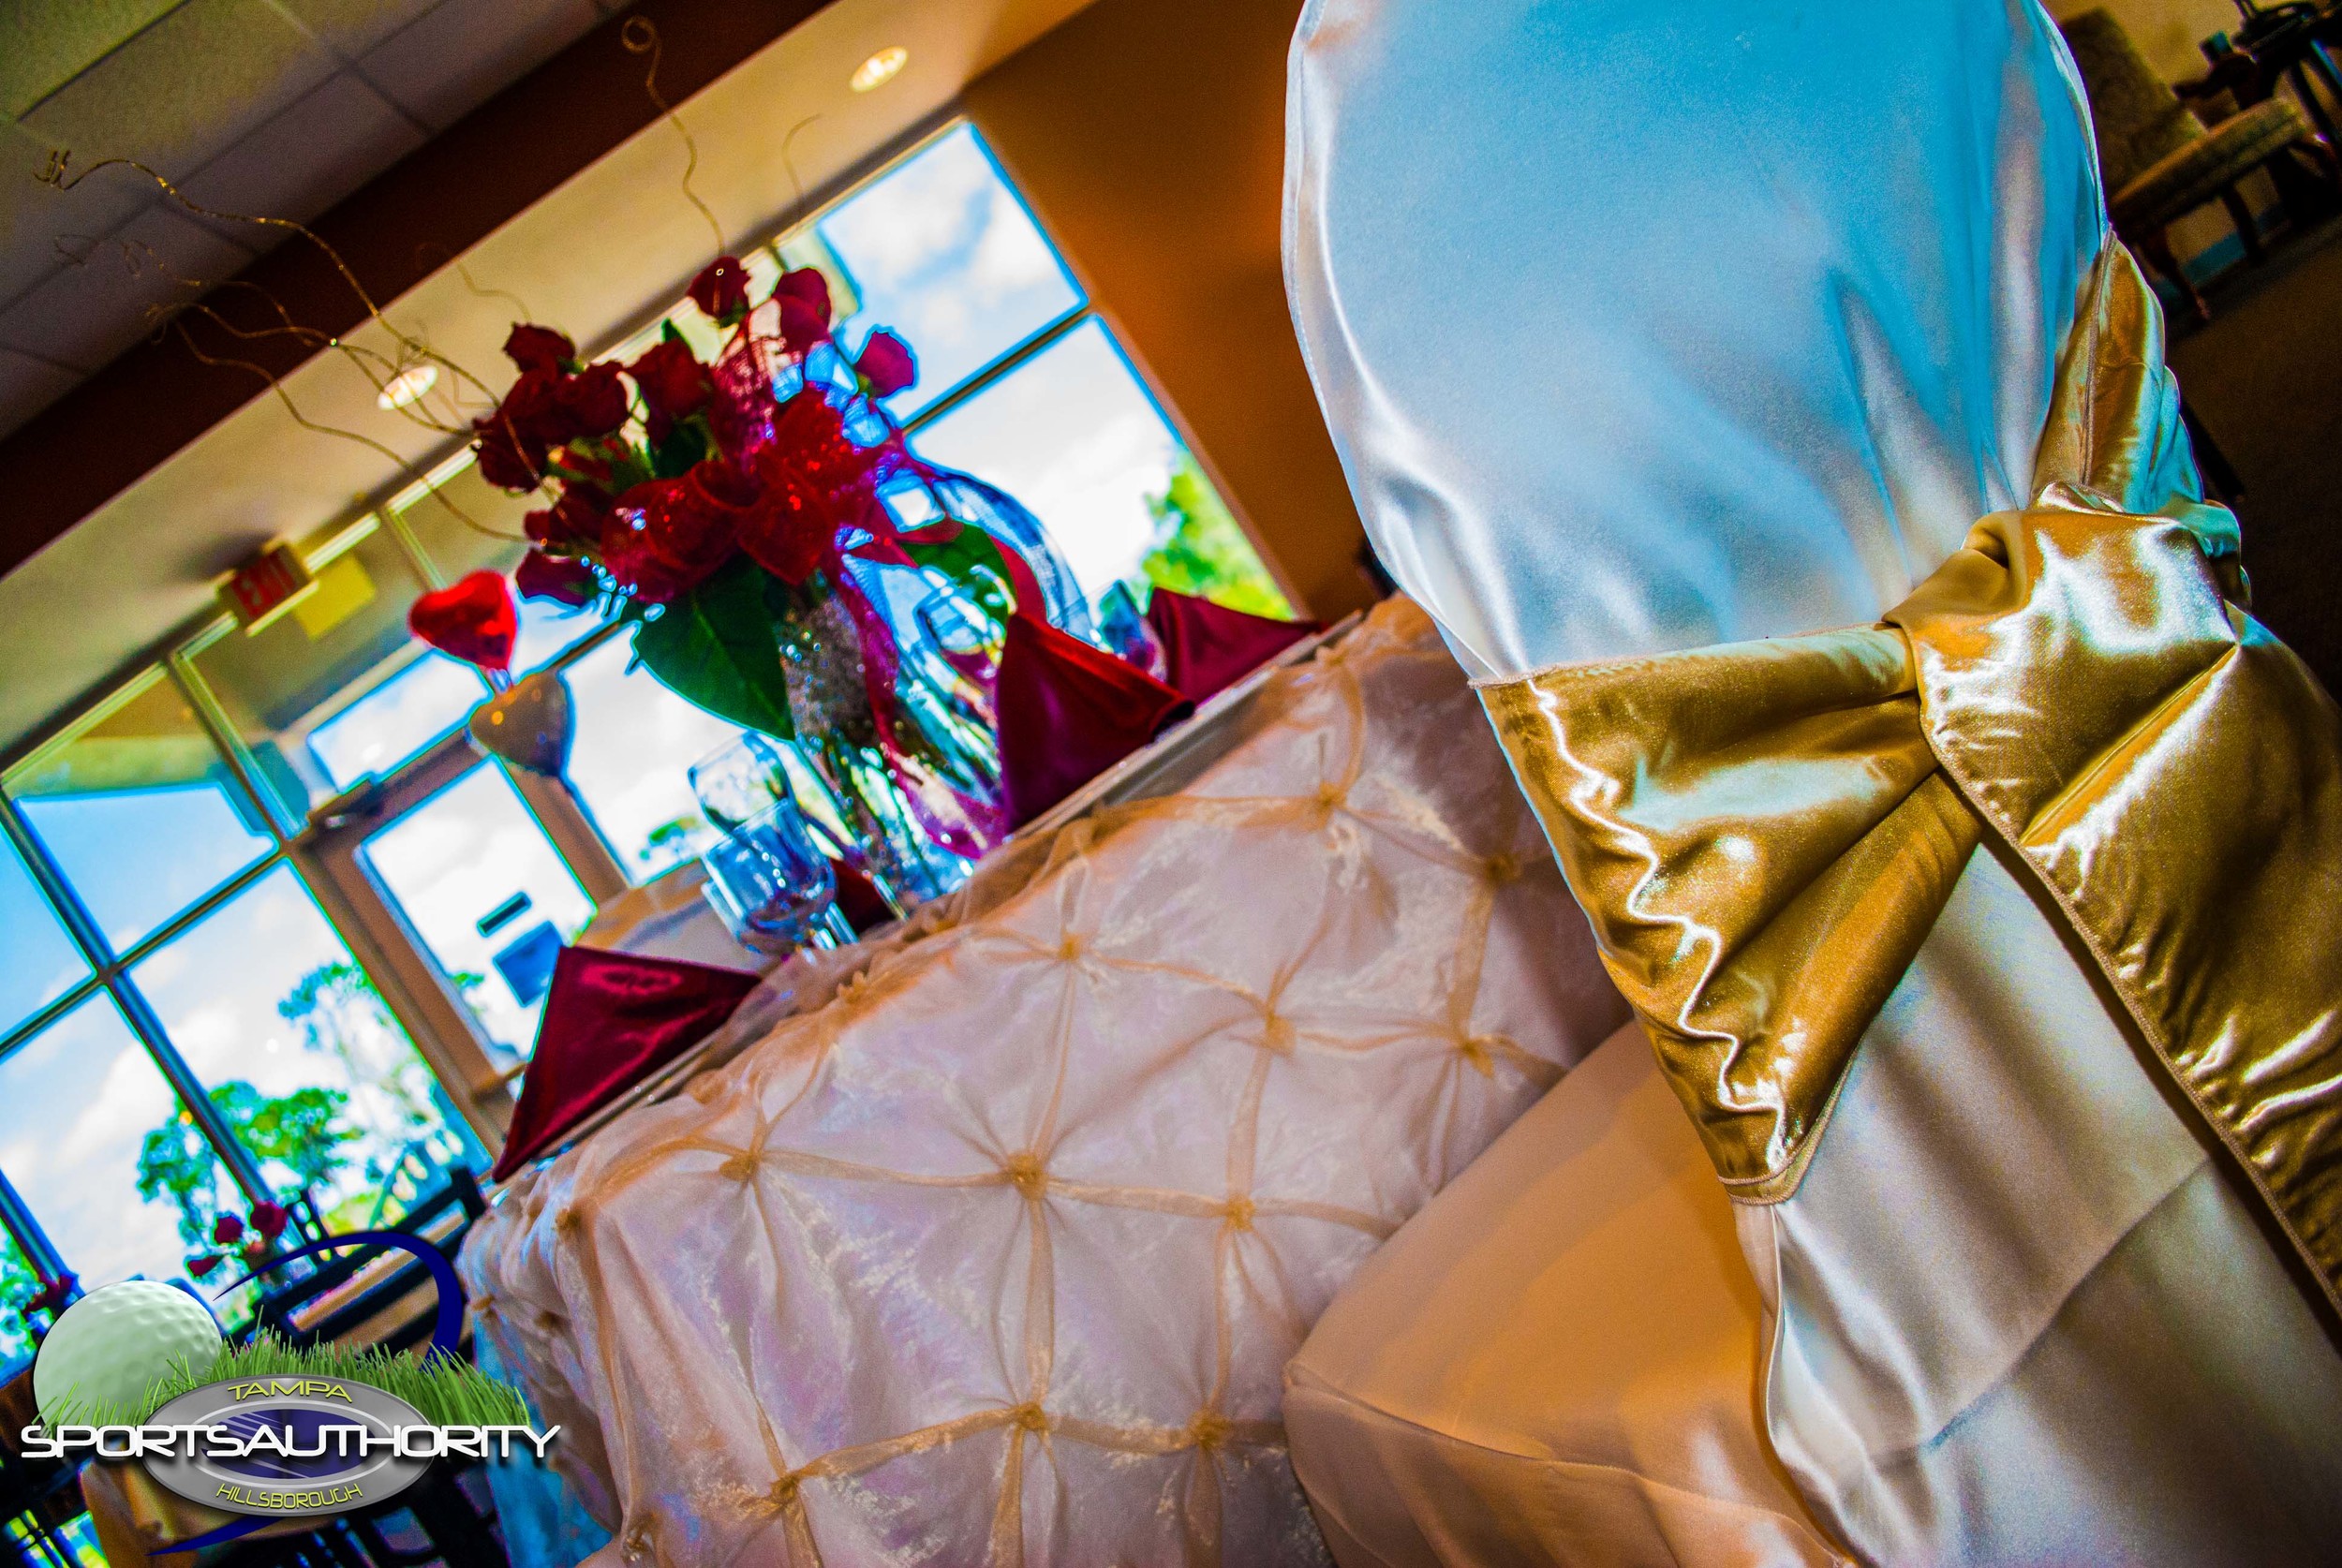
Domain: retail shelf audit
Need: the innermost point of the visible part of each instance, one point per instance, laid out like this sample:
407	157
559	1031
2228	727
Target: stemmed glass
776	891
739	780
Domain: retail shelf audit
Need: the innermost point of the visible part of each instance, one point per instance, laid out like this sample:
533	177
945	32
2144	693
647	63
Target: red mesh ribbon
1067	713
611	1020
1210	647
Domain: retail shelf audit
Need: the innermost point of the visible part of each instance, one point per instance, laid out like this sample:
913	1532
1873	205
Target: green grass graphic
447	1393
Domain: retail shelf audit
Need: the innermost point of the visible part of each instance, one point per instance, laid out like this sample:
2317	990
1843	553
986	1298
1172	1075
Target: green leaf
685	445
717	647
958	558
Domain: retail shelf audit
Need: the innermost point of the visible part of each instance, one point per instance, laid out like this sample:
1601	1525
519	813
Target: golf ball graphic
108	1348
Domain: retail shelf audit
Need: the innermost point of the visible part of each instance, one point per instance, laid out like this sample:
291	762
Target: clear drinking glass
740	780
1127	631
774	889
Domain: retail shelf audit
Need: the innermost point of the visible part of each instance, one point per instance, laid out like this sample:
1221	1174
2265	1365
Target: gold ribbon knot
1764	832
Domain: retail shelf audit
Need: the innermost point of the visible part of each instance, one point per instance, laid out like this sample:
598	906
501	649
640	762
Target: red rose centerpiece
734	510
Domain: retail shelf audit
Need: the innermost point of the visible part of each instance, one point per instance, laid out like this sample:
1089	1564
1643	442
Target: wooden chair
280	1310
2160	162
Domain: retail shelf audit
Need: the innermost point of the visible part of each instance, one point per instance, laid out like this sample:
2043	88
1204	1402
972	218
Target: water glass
740	780
774	889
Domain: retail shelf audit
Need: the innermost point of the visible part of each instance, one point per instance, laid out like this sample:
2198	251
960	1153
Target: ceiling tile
310	156
185	89
350	27
27	386
460	52
45	44
33	216
86	315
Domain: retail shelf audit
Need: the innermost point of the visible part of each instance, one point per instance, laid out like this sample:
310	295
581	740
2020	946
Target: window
184	1032
182	1035
488	896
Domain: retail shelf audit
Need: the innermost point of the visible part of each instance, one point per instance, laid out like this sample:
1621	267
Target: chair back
2138	119
280	1309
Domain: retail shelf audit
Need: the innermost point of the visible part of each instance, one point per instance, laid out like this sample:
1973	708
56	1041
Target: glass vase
899	833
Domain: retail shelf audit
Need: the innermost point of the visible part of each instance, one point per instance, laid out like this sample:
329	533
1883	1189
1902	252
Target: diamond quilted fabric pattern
999	1253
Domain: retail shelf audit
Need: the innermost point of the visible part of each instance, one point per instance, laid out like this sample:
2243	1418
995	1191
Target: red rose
665	536
271	1219
818	484
886	365
675	386
722	290
576	518
559	578
534	348
507	460
800	325
226	1228
591	403
808	285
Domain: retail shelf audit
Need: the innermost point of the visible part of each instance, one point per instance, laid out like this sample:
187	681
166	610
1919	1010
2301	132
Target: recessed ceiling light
880	68
407	387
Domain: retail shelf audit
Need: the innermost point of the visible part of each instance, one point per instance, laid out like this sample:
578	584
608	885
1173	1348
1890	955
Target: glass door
448	882
475	876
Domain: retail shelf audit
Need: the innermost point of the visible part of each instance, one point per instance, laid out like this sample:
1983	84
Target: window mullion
98	954
24	1228
241	1167
999	369
206	706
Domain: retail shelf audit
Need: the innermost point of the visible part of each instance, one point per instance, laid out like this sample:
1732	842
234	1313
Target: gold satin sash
1764	832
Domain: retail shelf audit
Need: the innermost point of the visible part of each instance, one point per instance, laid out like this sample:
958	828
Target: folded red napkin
611	1020
1210	647
1067	713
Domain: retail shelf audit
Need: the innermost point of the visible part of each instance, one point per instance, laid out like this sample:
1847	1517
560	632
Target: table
994	1238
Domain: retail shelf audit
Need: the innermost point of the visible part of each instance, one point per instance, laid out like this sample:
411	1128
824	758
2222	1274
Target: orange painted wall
1149	136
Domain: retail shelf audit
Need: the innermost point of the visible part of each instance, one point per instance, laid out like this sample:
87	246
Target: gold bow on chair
1764	832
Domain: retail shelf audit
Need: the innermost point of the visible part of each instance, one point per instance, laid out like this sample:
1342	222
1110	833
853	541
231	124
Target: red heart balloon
474	620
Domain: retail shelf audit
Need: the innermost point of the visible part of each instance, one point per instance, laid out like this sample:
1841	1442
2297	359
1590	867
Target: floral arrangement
655	491
718	506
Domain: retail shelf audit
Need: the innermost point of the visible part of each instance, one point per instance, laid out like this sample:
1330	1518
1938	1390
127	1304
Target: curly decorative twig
276	385
57	174
641	37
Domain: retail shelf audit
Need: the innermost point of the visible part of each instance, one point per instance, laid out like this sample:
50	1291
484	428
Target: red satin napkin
611	1020
1067	713
1210	647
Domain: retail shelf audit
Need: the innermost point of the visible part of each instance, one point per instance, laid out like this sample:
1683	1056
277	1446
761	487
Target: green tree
18	1285
303	1131
1201	549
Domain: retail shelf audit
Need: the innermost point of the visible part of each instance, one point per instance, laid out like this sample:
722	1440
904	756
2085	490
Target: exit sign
267	586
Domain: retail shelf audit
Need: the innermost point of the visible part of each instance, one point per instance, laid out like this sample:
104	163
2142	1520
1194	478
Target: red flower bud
808	286
591	403
271	1219
800	325
534	348
226	1228
722	290
887	364
558	578
201	1267
508	460
675	386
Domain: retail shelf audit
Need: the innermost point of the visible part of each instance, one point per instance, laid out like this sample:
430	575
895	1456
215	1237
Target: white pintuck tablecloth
998	1254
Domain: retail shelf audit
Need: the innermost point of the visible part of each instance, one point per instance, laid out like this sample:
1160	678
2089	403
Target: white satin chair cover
998	1257
1647	324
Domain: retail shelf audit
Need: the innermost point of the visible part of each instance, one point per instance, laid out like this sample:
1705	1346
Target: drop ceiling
285	106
